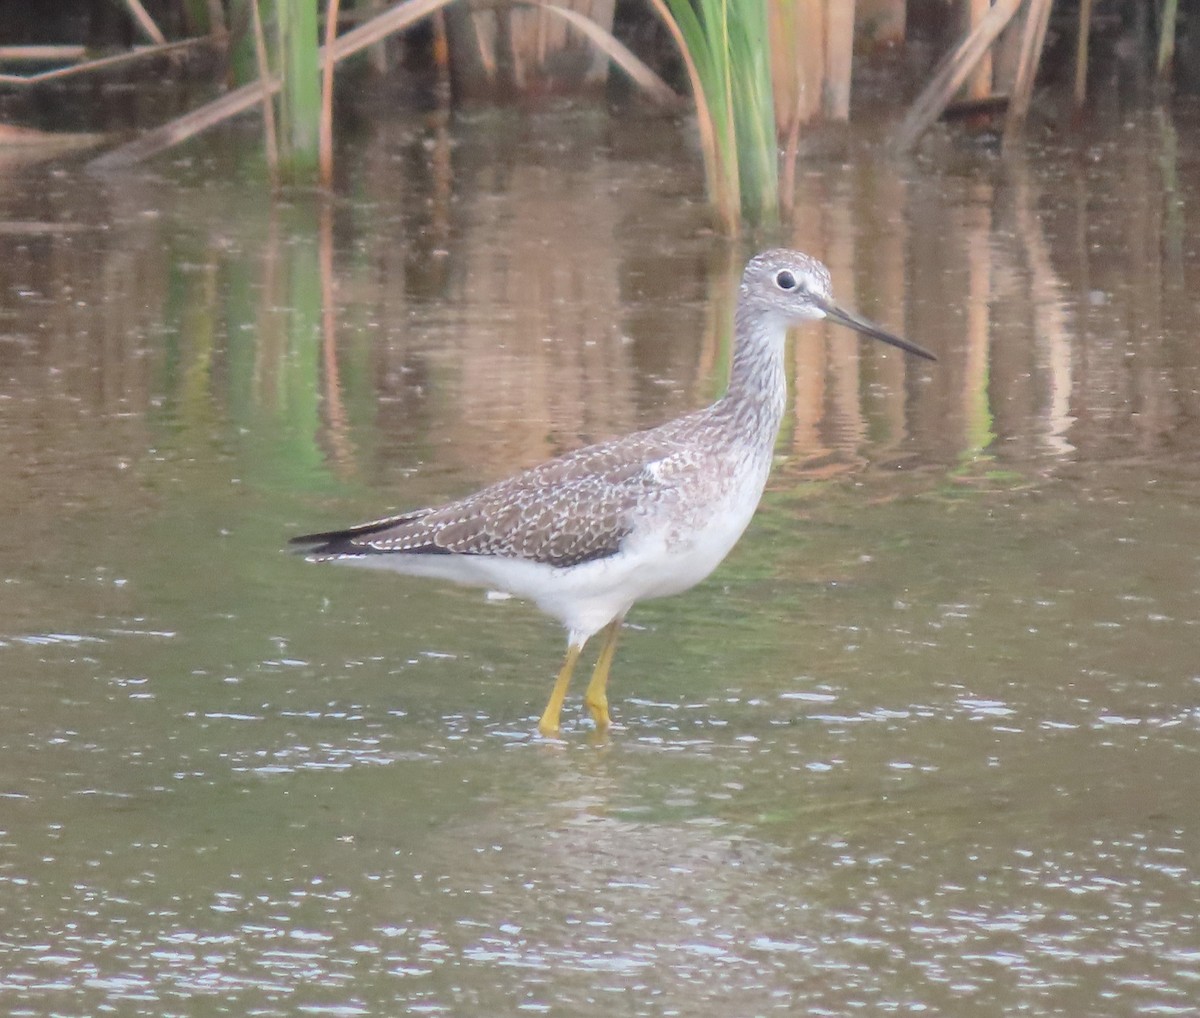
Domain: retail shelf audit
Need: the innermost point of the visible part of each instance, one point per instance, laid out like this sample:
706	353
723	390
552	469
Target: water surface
927	742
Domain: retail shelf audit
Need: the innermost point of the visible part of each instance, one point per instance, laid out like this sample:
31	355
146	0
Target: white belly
665	555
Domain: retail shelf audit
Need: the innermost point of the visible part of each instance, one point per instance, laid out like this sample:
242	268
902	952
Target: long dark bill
852	321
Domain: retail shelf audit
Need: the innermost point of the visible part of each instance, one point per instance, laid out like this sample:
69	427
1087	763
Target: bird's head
797	288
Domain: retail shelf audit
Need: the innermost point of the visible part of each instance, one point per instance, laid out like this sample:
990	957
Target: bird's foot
598	707
548	728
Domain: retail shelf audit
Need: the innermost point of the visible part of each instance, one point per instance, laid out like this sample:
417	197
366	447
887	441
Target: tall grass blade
685	29
726	49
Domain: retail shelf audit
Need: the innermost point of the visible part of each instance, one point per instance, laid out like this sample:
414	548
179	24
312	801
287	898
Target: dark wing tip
317	544
349	540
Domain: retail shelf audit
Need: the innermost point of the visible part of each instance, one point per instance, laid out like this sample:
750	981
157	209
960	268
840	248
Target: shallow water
926	742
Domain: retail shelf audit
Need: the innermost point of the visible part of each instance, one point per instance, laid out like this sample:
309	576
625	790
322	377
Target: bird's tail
350	541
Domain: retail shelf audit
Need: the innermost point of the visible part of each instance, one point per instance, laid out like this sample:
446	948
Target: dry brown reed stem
1033	37
797	65
241	99
791	151
75	52
41	54
441	61
217	27
785	65
643	77
979	86
950	74
270	139
839	59
325	129
1166	38
1081	54
145	22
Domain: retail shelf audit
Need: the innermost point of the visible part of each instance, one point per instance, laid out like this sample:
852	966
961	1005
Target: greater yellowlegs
588	534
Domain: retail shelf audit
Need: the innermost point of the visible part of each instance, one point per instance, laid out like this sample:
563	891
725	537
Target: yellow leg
596	695
549	723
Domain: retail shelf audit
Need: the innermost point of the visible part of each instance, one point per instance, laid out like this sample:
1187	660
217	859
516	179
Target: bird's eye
785	280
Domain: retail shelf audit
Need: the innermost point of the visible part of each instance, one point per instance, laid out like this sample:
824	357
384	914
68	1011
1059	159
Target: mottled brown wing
569	510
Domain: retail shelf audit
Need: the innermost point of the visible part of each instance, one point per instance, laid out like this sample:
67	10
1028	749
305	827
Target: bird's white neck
757	380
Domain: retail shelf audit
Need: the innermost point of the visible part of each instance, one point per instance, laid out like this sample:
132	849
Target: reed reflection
507	300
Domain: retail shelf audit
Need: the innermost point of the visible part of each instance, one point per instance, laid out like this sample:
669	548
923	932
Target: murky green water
928	742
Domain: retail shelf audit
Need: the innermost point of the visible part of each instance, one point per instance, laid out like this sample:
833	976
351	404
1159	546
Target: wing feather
573	509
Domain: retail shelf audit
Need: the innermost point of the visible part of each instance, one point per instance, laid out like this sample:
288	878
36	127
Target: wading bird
587	535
